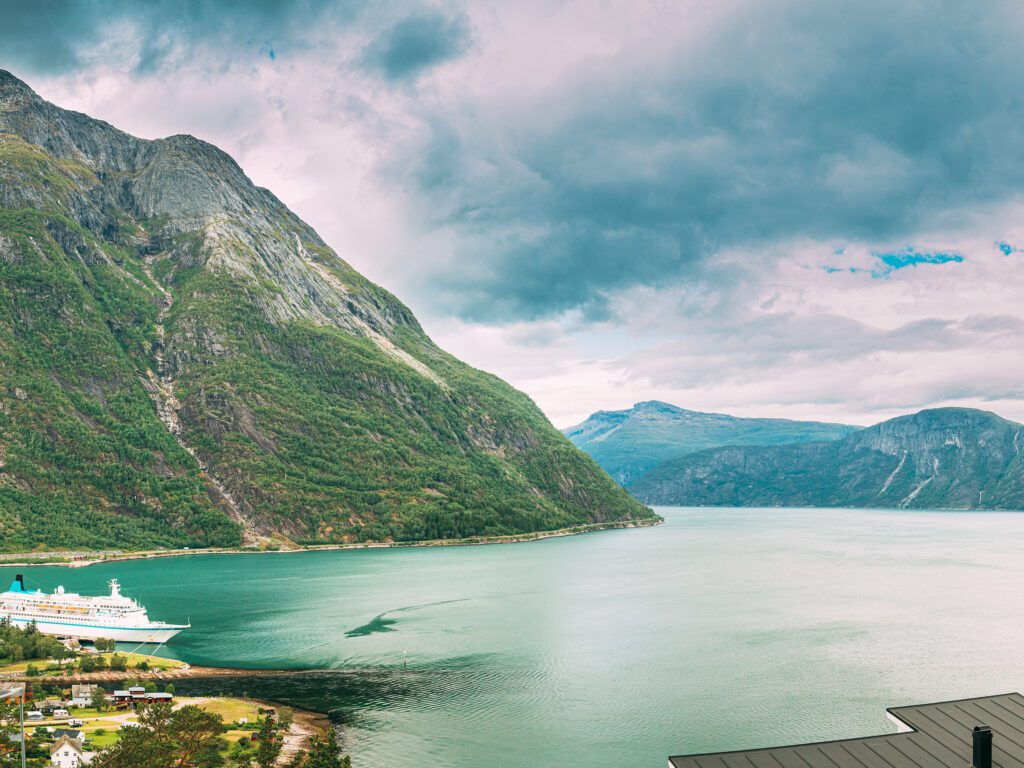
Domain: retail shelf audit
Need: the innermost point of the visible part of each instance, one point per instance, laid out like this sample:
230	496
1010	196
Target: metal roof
940	735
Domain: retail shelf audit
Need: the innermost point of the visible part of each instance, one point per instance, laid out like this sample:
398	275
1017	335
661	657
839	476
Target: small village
68	730
66	722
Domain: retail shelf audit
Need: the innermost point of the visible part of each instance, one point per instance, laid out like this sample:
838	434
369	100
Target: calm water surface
721	629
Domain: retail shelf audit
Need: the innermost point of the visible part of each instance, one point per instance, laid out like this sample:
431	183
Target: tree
105	645
325	753
168	738
99	698
9	721
270	742
118	663
169	688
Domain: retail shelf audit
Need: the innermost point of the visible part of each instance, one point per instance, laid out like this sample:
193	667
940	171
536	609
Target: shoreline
170	675
82	559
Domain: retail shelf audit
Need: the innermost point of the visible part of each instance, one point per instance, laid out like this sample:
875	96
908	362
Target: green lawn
22	666
110	736
231	709
155	662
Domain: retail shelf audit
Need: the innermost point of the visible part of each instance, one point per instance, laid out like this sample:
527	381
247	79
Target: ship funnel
20	581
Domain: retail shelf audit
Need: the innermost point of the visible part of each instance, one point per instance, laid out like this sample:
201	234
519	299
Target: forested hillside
185	362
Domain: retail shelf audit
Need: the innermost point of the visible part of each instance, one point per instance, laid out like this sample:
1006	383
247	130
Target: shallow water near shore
721	629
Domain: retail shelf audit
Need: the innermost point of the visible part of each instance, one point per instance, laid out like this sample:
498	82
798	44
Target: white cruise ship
67	614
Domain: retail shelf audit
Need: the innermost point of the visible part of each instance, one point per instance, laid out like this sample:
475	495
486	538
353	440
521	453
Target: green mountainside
629	443
184	362
943	458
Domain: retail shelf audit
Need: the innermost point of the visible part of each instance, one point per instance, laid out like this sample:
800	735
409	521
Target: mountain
629	443
183	361
943	458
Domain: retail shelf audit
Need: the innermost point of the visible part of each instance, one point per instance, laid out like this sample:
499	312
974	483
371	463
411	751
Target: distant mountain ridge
630	442
943	458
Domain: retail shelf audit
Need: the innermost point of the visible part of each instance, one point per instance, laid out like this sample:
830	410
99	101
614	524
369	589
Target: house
81	695
949	734
138	695
72	733
66	753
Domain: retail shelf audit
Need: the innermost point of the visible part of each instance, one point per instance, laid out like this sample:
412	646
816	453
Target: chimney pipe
21	580
982	747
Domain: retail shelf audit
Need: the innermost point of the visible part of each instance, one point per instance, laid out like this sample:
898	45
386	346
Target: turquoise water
720	629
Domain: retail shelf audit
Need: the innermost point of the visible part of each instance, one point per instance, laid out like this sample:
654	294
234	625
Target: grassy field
155	662
232	710
21	667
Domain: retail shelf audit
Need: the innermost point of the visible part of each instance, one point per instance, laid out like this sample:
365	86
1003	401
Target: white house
81	695
66	753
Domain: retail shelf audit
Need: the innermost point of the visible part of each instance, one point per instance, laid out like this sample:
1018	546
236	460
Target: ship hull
159	634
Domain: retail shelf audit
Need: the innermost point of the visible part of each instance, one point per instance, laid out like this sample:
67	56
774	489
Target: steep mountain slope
184	361
629	443
945	458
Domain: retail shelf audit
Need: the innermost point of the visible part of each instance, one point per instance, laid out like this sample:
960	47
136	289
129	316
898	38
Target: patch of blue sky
908	257
911	258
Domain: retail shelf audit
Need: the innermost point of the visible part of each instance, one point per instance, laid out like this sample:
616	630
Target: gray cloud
635	166
796	119
417	43
58	36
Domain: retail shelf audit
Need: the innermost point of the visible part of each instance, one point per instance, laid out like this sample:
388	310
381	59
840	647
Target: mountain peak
12	86
946	417
657	406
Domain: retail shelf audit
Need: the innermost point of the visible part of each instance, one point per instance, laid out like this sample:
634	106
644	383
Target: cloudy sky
803	209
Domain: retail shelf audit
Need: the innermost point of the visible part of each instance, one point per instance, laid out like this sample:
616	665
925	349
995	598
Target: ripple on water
720	629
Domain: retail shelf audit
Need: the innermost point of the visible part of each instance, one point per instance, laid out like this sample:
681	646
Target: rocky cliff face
184	361
629	443
945	458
